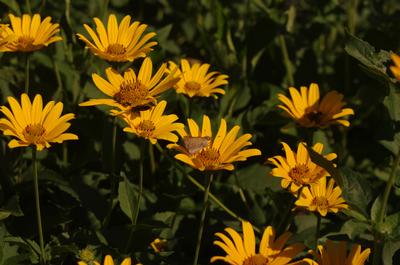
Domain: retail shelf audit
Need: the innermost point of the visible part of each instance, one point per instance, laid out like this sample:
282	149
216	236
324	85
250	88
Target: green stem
27	60
105	9
288	64
317	230
113	175
152	159
352	16
28	6
202	218
37	201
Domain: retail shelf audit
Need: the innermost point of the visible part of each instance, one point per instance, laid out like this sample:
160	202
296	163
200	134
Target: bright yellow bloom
4	37
158	245
119	43
30	34
196	81
153	125
202	151
242	250
396	67
297	169
306	108
336	254
32	124
321	198
130	92
108	260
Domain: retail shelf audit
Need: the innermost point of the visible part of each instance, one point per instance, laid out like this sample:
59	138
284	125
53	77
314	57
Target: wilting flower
32	124
336	254
306	108
321	198
108	260
297	169
131	92
242	250
196	81
30	34
153	125
202	151
396	67
119	43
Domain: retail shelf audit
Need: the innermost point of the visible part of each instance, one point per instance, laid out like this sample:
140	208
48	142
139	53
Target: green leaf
392	103
376	208
12	207
354	228
127	198
13	5
391	226
389	249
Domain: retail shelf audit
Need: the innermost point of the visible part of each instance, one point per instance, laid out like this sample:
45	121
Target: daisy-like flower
119	43
31	124
30	34
396	67
242	250
203	151
297	169
153	125
108	260
130	92
321	198
4	36
336	254
196	81
307	110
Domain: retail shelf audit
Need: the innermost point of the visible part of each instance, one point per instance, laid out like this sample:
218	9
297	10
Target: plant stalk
288	63
27	62
317	231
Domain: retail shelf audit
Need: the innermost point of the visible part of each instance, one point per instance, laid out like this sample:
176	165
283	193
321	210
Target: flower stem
27	61
37	201
288	64
28	6
317	230
113	158
202	218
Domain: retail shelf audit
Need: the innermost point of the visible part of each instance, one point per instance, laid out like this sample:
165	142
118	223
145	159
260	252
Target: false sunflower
306	108
31	124
203	151
153	125
321	198
119	43
242	250
30	34
297	169
131	92
396	67
336	254
196	81
108	260
4	36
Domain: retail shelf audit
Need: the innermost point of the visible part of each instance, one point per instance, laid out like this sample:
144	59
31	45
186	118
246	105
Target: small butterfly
195	144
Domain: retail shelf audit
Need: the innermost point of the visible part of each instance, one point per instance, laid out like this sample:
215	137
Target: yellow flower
119	43
30	34
32	124
196	81
306	108
4	36
108	260
321	198
396	67
297	169
242	250
130	92
336	254
202	151
153	125
158	245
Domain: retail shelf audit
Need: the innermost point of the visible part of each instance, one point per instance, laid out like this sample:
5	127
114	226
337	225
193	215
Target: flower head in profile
119	43
108	260
196	81
297	169
306	108
5	36
204	151
396	67
31	124
322	198
130	92
29	34
241	250
337	254
153	125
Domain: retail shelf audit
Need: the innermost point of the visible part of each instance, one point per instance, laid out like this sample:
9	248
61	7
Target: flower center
25	42
146	128
33	133
209	157
300	174
116	49
192	86
256	260
131	94
321	202
315	116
